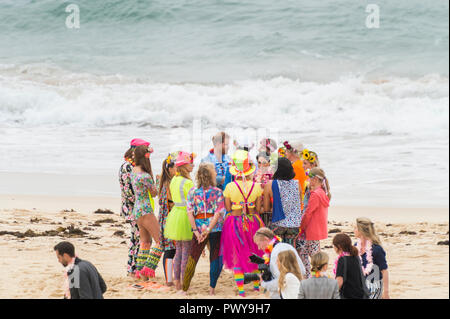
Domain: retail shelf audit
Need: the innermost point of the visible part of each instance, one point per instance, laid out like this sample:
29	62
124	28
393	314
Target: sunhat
242	164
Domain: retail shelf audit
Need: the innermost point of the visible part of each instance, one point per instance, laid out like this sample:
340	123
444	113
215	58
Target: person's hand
198	236
204	235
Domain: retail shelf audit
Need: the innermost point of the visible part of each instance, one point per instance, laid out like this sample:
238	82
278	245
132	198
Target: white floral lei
368	250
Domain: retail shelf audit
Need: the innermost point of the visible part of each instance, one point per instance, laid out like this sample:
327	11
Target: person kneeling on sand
82	280
272	246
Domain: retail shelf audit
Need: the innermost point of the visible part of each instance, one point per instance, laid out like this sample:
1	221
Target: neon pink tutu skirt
237	244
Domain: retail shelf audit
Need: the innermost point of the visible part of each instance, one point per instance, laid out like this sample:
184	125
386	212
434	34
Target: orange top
300	175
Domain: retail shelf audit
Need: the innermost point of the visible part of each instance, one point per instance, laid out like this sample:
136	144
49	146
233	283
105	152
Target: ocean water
373	103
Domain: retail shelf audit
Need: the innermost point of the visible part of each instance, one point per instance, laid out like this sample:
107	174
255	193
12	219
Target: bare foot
177	284
169	284
182	293
212	291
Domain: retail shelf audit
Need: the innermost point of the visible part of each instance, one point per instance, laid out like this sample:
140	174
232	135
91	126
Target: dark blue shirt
378	258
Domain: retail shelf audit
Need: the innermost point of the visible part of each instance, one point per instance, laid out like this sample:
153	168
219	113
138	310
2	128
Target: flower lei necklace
337	260
269	248
318	274
368	250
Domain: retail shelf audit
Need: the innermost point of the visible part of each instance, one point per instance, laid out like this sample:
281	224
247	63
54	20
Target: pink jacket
315	219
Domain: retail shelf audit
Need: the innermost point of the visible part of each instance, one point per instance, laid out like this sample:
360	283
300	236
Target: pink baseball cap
138	142
184	158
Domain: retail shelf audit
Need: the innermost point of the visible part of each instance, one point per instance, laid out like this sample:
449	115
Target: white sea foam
352	105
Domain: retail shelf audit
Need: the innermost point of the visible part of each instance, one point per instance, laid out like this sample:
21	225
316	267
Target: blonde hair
204	176
288	264
366	228
316	162
183	171
317	171
263	232
319	260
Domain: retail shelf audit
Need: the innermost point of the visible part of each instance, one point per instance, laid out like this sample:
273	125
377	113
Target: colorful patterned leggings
133	247
183	248
306	249
215	267
239	278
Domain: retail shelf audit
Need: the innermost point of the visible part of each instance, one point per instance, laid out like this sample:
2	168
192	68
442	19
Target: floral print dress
166	244
142	184
126	188
127	212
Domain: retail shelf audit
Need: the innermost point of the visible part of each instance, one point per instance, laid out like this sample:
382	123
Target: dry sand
418	267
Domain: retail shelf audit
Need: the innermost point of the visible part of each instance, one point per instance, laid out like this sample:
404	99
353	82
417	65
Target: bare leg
151	225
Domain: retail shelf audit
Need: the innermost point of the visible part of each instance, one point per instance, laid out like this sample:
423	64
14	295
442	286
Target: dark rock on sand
103	211
106	220
407	232
119	233
72	231
442	243
334	230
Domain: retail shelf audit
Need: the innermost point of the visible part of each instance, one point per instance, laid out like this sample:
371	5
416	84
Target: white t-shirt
292	287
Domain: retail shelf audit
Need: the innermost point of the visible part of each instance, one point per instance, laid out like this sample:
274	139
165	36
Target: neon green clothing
177	224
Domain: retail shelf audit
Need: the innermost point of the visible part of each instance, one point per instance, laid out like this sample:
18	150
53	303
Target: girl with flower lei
373	259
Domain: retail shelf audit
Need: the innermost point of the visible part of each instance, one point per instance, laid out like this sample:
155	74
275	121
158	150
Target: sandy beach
418	266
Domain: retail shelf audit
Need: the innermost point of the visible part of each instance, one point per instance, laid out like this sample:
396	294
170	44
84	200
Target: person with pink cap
243	200
143	213
127	195
178	227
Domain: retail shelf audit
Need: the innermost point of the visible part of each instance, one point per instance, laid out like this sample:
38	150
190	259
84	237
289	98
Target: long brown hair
165	175
204	177
366	228
141	160
129	153
344	242
288	264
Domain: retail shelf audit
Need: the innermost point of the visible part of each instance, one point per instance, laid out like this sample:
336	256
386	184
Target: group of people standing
263	221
